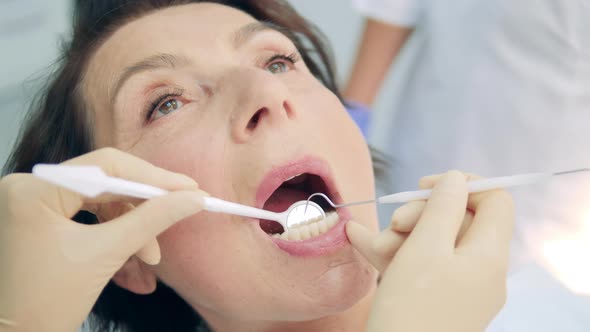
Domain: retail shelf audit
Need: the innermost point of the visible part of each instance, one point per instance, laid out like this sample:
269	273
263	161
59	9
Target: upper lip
274	178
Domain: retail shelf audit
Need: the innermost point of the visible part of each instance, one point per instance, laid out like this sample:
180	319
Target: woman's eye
280	63
277	67
167	107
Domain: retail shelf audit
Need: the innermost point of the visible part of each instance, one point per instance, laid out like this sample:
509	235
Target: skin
380	44
226	268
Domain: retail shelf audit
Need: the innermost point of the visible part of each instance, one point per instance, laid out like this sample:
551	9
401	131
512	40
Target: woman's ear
136	277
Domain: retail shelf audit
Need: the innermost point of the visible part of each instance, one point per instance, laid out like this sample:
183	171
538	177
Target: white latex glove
54	269
438	280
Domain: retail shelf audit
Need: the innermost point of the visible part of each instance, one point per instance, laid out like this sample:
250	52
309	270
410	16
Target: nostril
253	123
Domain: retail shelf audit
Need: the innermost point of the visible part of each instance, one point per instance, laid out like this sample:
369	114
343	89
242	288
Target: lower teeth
311	229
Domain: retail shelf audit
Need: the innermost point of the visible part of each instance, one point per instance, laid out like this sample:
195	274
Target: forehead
199	22
178	29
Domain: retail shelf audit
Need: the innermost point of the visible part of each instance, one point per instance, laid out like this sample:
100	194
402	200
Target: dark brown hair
58	128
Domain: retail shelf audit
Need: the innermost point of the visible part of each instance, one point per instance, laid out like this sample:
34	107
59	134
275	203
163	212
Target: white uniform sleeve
399	12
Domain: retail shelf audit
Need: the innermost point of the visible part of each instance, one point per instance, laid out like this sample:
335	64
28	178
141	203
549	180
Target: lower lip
326	243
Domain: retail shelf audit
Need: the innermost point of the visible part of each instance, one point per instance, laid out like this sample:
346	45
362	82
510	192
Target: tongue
282	198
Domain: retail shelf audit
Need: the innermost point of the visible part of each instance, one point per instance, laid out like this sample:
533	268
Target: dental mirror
300	213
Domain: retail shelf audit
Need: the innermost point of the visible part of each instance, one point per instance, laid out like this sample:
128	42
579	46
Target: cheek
192	245
327	108
197	259
212	263
191	151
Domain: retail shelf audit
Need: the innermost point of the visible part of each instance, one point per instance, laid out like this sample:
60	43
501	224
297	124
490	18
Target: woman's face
208	91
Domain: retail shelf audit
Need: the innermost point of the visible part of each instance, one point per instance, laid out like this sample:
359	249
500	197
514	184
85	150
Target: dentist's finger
388	242
132	231
493	222
124	165
406	216
362	240
467	221
429	181
114	163
150	253
441	219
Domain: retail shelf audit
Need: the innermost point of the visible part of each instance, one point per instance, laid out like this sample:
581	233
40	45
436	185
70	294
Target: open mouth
294	189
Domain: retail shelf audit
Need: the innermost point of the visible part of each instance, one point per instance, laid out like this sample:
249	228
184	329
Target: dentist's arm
380	44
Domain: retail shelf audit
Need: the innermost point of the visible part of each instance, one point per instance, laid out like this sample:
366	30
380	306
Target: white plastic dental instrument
91	181
474	186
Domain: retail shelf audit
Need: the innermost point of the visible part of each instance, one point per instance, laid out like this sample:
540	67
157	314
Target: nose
263	103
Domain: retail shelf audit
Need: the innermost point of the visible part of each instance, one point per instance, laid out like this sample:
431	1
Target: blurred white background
30	31
30	34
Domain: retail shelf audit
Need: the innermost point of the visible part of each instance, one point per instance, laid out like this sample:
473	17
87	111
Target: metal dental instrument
91	181
474	186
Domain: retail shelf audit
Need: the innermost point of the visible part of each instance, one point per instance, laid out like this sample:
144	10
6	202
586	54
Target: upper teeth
299	178
294	176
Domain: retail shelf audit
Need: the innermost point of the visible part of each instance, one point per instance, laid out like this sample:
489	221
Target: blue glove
361	114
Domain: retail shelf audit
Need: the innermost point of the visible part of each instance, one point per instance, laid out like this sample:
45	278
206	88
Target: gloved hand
54	269
361	115
449	273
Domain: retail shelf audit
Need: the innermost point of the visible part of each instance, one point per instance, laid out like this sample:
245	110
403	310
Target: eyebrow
166	60
162	60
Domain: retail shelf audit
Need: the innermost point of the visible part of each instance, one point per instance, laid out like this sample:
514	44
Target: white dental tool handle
91	181
211	204
133	189
474	186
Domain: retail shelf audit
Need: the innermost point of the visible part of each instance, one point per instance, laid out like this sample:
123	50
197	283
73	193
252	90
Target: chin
347	282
